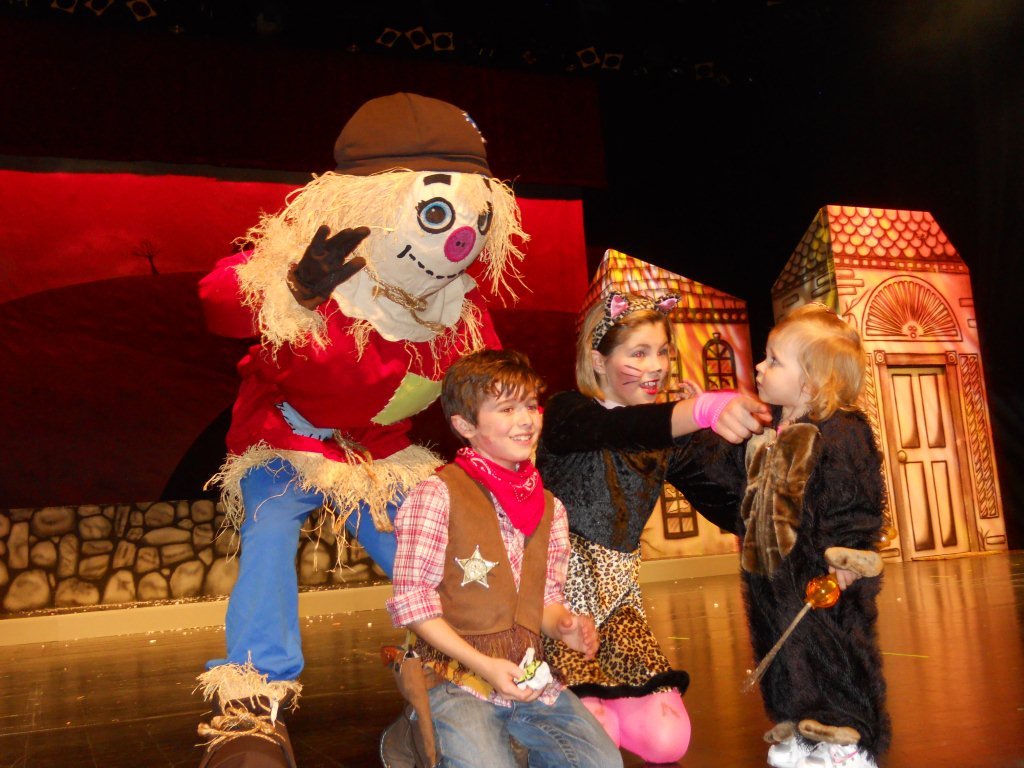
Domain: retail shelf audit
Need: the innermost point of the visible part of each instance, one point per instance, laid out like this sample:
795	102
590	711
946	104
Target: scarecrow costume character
359	293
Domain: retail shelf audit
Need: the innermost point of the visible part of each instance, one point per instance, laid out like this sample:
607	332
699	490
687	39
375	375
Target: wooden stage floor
951	633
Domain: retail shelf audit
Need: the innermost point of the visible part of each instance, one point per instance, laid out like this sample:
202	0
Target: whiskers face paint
634	372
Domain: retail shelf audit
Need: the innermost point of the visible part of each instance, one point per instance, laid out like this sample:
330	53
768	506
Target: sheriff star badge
475	568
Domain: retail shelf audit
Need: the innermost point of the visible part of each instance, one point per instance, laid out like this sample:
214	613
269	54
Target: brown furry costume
815	488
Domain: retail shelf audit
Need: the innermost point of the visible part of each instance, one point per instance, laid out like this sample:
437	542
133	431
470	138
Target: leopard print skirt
606	584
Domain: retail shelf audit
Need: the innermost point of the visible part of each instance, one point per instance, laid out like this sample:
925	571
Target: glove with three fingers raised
326	265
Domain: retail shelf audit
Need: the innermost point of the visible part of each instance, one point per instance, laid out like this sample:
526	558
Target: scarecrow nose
460	243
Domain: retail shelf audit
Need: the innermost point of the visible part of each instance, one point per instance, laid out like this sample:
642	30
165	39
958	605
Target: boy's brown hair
488	372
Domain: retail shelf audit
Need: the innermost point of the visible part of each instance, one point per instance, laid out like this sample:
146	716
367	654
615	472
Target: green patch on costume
413	395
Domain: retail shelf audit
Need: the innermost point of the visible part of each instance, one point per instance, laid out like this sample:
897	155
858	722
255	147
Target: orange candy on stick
821	592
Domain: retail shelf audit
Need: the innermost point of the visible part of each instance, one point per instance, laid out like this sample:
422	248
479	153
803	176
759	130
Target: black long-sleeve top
607	465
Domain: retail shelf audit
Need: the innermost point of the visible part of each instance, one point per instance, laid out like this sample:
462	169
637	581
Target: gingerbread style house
712	340
896	277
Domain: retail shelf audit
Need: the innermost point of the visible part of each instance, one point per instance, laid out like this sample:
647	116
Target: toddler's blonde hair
830	355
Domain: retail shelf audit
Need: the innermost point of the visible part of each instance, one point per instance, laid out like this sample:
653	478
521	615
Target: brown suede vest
496	619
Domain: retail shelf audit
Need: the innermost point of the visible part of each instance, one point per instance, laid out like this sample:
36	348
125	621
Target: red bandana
519	492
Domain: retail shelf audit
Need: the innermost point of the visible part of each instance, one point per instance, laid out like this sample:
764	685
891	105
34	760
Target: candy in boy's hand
536	674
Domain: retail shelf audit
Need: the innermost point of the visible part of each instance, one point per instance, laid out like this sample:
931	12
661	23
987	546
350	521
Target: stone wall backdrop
78	558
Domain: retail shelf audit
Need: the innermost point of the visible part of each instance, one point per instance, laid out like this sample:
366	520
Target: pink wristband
709	406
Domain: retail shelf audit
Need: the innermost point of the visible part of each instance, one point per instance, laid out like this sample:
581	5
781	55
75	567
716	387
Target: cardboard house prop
896	278
712	350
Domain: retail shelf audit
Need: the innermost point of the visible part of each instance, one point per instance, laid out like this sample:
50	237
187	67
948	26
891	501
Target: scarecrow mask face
440	231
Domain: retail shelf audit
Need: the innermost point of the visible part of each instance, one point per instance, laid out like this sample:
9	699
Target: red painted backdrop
113	389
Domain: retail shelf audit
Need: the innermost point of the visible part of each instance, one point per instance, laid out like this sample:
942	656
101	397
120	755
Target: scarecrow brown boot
242	739
244	730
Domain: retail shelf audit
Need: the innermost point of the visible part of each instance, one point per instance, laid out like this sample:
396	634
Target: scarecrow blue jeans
262	622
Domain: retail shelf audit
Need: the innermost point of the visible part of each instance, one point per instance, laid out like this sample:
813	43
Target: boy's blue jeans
473	732
263	611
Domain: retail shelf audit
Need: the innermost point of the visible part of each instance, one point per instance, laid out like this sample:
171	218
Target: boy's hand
579	633
502	675
742	417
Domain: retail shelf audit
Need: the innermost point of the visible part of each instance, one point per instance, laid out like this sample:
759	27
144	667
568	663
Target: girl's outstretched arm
732	415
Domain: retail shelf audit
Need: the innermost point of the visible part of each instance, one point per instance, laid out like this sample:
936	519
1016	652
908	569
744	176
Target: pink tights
656	727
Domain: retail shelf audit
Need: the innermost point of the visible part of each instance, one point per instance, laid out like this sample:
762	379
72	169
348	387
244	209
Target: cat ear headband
618	306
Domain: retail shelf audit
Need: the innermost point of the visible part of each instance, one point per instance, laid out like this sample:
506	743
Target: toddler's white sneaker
836	756
788	752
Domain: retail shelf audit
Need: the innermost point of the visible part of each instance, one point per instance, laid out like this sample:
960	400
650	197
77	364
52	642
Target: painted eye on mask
483	223
435	215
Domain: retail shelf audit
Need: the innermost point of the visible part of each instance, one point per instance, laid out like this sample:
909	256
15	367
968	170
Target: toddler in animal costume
812	503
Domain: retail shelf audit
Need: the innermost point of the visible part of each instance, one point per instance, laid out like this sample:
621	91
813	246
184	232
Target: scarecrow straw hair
342	201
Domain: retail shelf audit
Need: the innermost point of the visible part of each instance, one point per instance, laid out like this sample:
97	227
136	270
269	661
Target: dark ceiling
687	39
736	43
725	125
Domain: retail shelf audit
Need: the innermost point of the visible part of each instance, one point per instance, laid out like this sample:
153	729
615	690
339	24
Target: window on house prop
719	364
678	517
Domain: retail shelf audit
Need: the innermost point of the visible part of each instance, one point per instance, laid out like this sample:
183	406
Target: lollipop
821	592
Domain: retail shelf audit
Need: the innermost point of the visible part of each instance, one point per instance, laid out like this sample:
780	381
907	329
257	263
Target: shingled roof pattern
870	237
622	272
809	257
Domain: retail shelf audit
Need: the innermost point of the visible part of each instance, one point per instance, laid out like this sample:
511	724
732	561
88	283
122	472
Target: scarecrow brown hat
406	130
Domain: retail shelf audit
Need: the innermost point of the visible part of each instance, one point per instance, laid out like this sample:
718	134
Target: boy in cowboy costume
479	572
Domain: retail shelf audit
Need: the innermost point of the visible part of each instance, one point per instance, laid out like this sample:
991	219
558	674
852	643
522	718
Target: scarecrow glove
326	265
